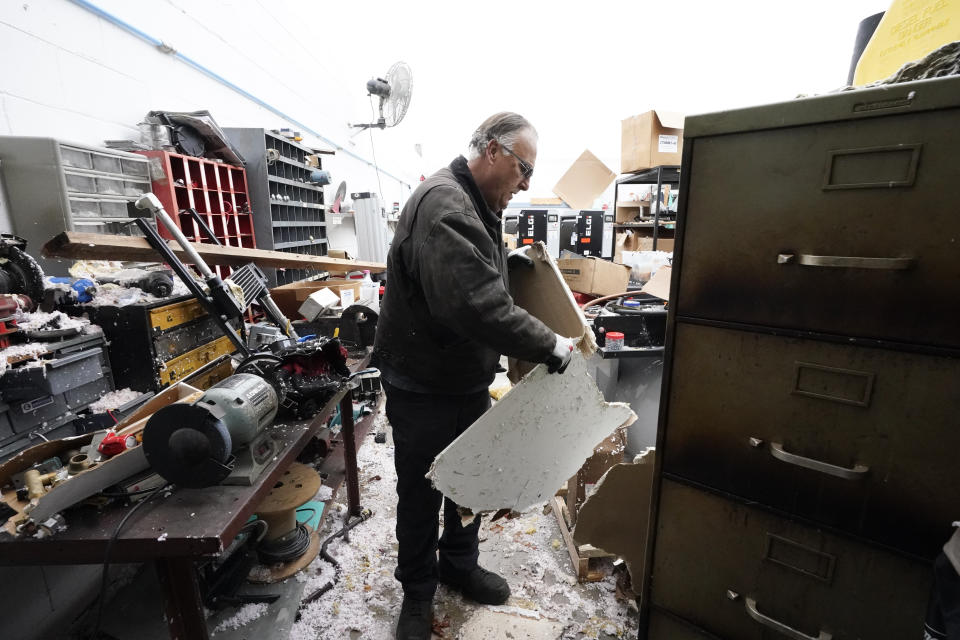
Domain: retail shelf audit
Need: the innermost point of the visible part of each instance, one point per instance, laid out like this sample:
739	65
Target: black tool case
41	402
155	344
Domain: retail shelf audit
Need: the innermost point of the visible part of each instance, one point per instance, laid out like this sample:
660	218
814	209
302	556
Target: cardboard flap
542	292
659	284
584	181
670	119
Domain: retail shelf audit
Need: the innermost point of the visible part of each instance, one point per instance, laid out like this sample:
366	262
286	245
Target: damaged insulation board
616	517
527	445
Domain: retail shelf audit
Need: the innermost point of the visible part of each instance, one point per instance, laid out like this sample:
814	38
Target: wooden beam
98	246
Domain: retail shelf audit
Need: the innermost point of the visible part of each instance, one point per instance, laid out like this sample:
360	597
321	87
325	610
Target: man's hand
519	258
562	352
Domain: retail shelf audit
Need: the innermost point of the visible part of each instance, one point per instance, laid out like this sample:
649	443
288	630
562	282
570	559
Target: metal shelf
666	174
299	243
294	183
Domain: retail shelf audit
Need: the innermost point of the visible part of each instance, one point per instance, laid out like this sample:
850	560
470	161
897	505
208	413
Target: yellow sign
908	31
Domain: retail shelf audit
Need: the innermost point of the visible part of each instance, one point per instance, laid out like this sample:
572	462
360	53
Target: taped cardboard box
595	276
651	139
584	181
291	296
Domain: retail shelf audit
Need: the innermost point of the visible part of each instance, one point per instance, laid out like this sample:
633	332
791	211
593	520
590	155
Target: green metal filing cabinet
810	418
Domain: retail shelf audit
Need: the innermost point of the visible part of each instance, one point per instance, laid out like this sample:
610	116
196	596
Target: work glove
519	258
562	352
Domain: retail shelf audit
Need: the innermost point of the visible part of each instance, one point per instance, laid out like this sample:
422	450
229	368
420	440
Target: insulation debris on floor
546	602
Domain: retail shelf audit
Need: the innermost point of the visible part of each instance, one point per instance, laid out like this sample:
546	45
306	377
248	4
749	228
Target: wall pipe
167	49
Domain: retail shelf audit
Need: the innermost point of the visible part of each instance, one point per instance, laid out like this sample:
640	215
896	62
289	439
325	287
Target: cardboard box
629	211
318	302
291	296
651	139
631	240
546	202
343	255
595	276
584	181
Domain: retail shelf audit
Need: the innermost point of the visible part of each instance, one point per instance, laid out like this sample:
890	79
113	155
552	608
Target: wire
373	151
366	514
287	548
126	494
106	556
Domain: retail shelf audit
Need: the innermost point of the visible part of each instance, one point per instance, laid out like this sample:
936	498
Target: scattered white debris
162	537
245	614
365	602
18	352
324	494
53	321
114	400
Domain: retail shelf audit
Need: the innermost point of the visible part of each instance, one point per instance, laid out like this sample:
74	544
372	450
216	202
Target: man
446	319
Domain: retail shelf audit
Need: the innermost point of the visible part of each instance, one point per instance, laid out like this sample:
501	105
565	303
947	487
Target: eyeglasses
525	169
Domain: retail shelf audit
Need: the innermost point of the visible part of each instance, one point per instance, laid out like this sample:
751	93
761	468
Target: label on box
668	144
346	297
334	218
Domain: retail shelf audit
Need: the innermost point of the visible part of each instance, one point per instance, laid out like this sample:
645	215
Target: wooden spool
298	484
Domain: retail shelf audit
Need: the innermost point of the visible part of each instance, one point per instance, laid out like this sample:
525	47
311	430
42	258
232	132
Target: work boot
416	619
479	585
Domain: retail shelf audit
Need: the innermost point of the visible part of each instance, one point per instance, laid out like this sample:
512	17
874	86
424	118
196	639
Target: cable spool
298	484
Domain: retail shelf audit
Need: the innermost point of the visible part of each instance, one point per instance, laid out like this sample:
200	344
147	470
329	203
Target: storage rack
55	186
281	186
666	174
217	191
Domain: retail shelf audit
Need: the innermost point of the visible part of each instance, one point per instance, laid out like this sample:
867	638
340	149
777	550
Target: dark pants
423	425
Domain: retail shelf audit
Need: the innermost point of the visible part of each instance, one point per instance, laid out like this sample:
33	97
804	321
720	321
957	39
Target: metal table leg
181	594
350	454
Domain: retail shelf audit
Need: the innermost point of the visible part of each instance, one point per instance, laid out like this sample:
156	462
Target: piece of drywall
615	517
520	452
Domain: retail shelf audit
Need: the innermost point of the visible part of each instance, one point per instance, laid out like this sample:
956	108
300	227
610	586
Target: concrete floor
547	602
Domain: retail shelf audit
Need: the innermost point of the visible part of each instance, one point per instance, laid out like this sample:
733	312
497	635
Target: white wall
69	74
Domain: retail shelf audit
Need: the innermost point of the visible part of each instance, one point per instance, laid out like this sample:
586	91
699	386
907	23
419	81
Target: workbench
175	531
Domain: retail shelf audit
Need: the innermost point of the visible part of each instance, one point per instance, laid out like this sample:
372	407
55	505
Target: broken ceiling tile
542	292
487	624
616	516
527	445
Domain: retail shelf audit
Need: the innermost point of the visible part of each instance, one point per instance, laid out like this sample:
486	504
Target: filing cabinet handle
856	473
778	626
850	262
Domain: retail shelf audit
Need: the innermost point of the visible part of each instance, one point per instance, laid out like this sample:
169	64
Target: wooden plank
98	246
581	564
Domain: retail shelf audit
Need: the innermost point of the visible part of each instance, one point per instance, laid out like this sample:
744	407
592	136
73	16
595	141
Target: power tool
223	437
19	273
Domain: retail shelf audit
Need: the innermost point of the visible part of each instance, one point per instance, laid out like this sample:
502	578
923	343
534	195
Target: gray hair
504	127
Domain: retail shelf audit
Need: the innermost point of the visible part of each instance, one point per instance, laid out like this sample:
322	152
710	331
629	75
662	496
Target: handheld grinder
193	445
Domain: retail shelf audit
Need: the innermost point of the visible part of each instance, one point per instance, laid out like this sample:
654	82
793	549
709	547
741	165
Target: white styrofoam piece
527	445
318	302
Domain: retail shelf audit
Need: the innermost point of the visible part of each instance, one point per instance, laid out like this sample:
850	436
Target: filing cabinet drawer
663	626
744	574
848	228
849	436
